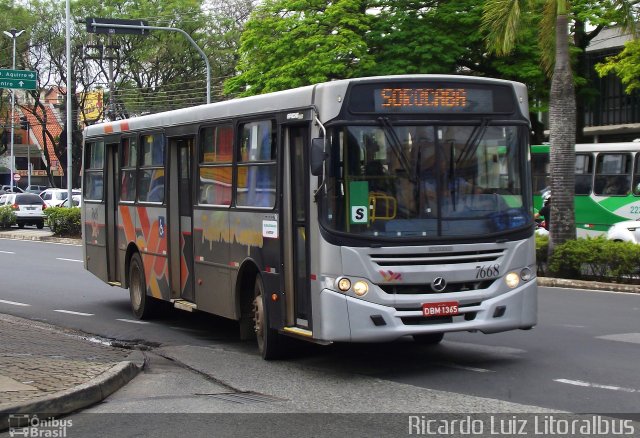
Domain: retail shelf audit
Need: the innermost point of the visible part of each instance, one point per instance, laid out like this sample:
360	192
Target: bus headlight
344	284
360	288
526	274
512	279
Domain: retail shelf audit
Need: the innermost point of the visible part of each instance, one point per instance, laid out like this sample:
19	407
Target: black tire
142	305
40	225
270	342
428	339
20	224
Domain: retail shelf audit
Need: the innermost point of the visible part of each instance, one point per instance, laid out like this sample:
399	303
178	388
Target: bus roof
297	98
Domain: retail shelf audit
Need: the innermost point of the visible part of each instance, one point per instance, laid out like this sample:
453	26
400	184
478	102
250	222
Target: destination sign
432	97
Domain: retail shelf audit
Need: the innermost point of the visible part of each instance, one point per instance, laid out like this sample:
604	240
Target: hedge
591	259
7	216
64	221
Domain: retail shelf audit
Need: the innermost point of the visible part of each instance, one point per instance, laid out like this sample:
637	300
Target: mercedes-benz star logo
438	284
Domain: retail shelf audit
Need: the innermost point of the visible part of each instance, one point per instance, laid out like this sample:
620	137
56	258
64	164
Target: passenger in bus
377	176
617	186
454	191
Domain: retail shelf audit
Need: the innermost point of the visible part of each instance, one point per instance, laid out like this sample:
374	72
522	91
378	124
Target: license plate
31	208
447	308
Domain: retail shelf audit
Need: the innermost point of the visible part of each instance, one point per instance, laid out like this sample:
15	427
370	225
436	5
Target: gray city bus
357	210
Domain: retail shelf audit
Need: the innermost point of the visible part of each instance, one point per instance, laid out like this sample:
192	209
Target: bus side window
636	176
613	174
584	174
256	181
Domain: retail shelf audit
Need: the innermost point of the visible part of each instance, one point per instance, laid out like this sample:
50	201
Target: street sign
105	22
19	84
19	74
16	177
20	79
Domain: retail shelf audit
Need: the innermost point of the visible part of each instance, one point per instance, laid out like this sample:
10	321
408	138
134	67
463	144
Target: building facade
612	115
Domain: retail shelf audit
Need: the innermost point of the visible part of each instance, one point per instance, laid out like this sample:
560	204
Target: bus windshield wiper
396	146
473	141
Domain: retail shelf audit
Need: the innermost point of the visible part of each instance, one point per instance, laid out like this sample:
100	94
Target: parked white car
625	231
28	208
54	197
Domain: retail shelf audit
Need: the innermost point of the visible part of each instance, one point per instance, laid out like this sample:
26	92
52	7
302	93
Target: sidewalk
45	369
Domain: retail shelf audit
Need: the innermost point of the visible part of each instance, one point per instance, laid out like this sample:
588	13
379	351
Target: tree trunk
562	111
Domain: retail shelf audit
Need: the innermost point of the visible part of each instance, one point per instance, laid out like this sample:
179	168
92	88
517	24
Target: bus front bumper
348	319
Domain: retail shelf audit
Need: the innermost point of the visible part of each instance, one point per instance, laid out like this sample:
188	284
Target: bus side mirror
318	156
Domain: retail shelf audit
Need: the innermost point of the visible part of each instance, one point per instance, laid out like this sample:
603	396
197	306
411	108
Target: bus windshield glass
411	181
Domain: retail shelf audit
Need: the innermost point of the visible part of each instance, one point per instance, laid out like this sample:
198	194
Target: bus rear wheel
428	338
270	342
143	306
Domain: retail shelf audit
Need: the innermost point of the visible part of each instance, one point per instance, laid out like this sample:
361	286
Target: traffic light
24	124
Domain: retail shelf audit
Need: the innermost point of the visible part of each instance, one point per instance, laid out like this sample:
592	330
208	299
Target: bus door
181	218
111	210
296	215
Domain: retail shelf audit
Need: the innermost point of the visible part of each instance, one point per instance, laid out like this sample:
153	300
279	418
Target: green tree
291	43
441	36
15	16
501	20
626	65
47	55
154	72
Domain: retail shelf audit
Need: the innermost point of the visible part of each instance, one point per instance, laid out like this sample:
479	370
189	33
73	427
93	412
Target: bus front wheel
143	306
270	342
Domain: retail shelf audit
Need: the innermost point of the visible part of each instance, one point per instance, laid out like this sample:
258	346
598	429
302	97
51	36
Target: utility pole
69	109
112	87
110	56
13	34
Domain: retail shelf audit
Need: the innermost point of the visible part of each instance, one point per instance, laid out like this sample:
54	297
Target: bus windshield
401	181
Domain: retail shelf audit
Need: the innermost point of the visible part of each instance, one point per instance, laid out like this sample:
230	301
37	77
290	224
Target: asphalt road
582	357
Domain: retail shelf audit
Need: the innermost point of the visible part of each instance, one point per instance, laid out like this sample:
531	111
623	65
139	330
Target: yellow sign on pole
93	106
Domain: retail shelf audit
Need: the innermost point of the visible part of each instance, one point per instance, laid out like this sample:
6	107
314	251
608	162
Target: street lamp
13	34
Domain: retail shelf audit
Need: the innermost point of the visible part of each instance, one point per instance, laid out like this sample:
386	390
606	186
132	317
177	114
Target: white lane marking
595	385
70	312
633	338
462	367
14	303
573	326
7	252
68	260
132	321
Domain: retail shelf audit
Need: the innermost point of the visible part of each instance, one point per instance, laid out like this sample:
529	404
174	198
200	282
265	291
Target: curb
590	285
51	239
81	396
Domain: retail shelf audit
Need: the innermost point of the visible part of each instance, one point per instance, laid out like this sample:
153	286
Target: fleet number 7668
487	271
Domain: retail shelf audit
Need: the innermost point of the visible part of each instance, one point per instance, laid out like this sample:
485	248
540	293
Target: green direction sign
20	79
20	84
